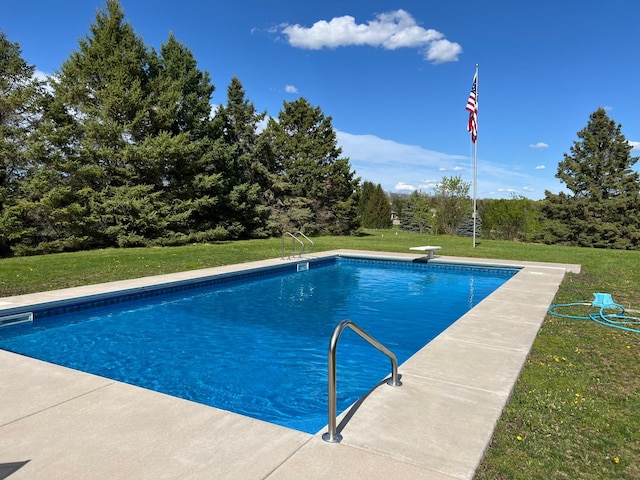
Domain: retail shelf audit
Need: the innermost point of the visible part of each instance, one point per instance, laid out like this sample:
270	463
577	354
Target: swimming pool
256	344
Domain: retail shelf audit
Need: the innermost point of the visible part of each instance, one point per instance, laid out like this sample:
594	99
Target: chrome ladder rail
313	245
332	436
294	251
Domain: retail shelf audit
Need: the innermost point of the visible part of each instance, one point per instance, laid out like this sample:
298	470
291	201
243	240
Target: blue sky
395	76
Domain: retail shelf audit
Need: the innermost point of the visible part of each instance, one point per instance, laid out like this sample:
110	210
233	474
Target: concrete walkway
58	423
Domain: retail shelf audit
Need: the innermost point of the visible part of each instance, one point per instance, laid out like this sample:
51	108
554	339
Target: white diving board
427	248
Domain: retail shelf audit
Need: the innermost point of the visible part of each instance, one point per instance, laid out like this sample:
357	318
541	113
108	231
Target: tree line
121	148
601	208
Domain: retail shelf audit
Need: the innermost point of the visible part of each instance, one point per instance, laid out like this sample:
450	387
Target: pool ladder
332	436
297	244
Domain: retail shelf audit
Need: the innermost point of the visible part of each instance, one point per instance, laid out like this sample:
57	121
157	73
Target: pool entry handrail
332	436
313	245
297	245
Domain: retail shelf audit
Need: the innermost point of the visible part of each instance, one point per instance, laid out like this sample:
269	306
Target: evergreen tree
366	192
94	124
603	208
180	98
180	143
245	171
418	213
125	146
374	207
20	111
317	189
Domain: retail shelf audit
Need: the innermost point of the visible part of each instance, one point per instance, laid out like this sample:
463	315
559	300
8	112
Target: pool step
16	319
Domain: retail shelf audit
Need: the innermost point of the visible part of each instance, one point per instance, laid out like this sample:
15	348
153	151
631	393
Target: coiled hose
603	302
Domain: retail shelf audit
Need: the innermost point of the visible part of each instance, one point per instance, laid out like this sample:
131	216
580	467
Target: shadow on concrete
7	469
354	408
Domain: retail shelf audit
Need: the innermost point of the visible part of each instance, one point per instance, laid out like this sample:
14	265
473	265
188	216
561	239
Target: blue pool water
258	346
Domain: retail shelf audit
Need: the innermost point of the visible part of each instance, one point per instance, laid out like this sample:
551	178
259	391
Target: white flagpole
475	165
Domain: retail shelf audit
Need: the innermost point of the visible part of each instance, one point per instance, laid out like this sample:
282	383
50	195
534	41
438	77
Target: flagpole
472	127
475	169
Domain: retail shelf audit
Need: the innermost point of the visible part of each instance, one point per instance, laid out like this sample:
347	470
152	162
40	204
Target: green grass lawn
575	411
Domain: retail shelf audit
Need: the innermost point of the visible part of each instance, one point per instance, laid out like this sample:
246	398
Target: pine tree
322	183
179	142
245	171
374	207
366	192
97	120
126	144
603	208
418	213
20	110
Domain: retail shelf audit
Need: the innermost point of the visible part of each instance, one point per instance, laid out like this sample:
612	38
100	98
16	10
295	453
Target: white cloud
540	167
290	89
443	51
404	168
45	78
38	75
391	30
215	109
396	166
635	146
374	149
427	185
539	145
404	187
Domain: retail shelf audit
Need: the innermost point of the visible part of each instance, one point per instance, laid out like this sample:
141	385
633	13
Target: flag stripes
472	108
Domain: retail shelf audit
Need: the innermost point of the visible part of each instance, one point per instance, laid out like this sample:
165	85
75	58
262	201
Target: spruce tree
366	192
244	169
374	207
126	143
418	213
379	209
603	206
20	110
101	106
180	145
319	187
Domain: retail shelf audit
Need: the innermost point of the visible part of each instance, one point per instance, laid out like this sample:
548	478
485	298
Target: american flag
472	108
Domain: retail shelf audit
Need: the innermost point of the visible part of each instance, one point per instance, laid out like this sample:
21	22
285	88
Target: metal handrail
294	239
332	436
313	245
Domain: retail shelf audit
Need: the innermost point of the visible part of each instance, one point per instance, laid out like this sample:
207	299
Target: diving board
429	249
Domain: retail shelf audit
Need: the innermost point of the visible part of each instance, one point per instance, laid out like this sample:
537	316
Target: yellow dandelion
616	460
519	438
556	359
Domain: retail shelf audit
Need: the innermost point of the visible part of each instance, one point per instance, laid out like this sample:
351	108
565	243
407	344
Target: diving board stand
429	249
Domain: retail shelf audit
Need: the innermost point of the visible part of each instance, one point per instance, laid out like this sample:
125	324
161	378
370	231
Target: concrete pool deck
58	423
